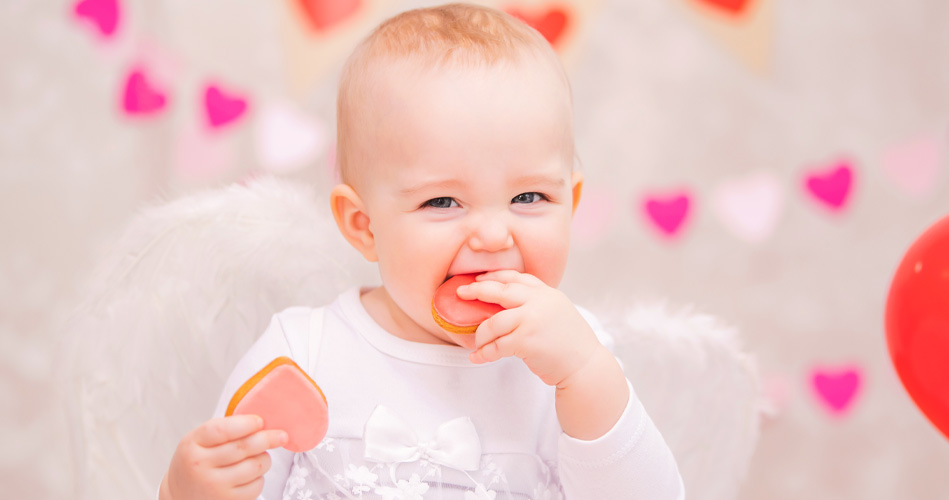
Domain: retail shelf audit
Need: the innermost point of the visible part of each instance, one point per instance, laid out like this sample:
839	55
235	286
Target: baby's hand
223	458
539	325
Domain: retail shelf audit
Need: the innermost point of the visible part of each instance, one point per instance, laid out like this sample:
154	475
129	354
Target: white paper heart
750	206
286	139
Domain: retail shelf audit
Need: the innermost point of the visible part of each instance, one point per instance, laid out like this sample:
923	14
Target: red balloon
917	323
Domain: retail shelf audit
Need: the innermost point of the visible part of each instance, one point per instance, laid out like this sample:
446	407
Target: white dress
412	421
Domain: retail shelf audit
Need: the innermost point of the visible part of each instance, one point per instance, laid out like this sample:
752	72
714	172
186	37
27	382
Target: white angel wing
699	388
190	285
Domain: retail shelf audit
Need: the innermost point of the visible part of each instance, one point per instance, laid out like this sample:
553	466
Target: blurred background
764	161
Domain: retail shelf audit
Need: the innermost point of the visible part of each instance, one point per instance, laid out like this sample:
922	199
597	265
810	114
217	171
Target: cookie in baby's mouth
456	315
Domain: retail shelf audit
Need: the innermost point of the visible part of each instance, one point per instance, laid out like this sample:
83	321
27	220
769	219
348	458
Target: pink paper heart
749	207
594	217
668	213
140	96
103	14
222	108
831	186
836	388
914	166
286	138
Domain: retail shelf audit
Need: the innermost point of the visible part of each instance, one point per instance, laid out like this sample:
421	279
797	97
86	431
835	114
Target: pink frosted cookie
287	399
457	315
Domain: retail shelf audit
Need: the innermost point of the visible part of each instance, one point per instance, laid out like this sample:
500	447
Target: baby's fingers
246	471
218	431
510	276
507	295
500	348
235	451
499	325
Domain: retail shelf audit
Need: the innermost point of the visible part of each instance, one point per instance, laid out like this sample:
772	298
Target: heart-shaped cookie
287	399
455	314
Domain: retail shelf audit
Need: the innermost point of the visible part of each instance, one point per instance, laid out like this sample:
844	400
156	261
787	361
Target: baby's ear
576	180
352	220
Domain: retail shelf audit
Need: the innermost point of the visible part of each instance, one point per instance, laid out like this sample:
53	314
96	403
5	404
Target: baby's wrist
590	369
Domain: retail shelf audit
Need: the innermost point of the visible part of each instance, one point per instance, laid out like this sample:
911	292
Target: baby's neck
393	319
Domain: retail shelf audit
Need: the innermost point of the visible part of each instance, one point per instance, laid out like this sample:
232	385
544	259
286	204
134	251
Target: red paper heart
222	108
551	22
322	15
668	214
141	97
733	7
285	397
104	14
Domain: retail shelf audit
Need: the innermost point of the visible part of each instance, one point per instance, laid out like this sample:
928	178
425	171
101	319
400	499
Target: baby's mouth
476	272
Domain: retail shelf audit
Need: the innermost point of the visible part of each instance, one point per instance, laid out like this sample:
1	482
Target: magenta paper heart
222	108
836	388
668	214
831	187
104	14
140	97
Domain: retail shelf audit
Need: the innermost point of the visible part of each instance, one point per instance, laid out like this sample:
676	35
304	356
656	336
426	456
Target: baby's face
469	171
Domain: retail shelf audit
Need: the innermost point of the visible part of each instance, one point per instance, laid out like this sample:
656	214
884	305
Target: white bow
388	438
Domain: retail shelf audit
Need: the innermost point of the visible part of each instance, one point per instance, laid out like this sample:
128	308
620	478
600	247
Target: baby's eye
443	202
528	198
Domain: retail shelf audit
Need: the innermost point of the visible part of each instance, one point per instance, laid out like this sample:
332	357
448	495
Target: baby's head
453	38
455	148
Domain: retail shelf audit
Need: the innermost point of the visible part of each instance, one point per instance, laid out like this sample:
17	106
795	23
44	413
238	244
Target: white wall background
661	105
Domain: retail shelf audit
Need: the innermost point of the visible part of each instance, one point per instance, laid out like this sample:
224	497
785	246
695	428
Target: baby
455	148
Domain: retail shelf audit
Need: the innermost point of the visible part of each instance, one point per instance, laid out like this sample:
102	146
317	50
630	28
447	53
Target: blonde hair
449	35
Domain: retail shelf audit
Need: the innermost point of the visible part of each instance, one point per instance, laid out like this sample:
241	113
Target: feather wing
189	286
699	388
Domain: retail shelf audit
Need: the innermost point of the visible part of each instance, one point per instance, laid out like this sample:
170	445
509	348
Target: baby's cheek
547	266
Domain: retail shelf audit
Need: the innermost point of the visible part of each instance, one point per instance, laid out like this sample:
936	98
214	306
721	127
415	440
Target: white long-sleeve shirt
434	399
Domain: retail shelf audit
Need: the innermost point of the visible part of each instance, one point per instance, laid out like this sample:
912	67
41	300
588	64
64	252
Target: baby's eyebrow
444	185
552	182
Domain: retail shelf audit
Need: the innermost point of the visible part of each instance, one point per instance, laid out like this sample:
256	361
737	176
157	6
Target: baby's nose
491	233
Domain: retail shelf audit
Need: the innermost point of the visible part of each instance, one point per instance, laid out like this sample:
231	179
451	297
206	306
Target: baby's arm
223	458
592	398
273	343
